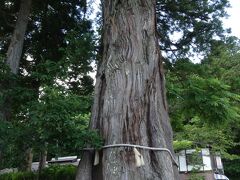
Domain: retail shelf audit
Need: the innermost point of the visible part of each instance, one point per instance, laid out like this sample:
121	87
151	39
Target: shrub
18	176
54	172
57	172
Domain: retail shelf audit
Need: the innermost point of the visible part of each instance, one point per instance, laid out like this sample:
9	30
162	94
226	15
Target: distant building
65	160
73	160
202	162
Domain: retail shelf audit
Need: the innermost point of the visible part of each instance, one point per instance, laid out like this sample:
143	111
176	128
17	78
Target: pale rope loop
136	146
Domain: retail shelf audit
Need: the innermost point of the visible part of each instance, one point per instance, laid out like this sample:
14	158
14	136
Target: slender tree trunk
16	45
29	159
42	160
130	102
1	159
14	52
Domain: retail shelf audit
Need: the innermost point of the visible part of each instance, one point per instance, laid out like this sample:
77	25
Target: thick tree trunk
130	102
16	45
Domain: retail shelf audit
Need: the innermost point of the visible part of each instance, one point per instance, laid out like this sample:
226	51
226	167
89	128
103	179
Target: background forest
45	106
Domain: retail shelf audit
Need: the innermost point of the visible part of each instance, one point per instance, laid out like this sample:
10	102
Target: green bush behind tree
54	172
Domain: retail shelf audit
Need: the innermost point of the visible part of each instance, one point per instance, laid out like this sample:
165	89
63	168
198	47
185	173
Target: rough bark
29	159
27	162
14	52
16	45
130	102
42	160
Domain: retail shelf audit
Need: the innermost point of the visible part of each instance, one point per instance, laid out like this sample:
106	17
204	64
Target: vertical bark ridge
16	45
133	108
14	52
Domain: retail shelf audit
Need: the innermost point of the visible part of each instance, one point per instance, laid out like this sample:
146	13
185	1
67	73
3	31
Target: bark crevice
130	104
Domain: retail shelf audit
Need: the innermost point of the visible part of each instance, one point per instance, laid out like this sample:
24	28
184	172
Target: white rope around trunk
136	152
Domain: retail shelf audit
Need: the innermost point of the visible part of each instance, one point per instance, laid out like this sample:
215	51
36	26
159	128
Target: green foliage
204	99
203	135
195	176
60	121
19	176
232	167
49	100
57	172
197	23
54	172
6	137
76	62
210	99
193	93
223	62
195	160
181	145
57	122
